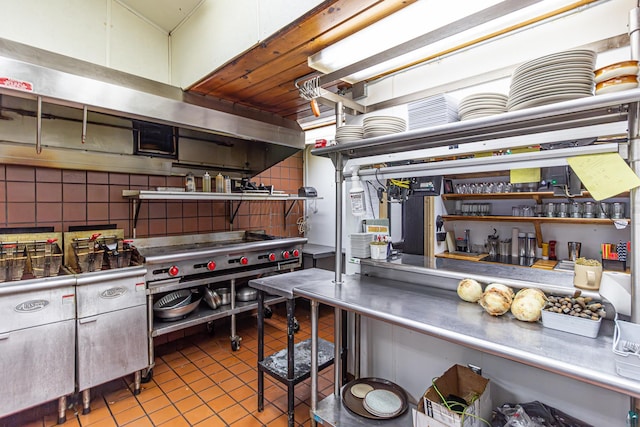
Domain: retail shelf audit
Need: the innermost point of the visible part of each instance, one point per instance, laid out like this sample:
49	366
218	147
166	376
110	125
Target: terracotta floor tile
251	403
198	414
281	421
233	414
129	415
96	414
268	414
164	415
210	393
193	376
242	392
123	404
156	404
161	378
248	421
189	403
141	422
212	421
150	393
221	403
231	384
185	369
220	376
106	422
175	422
172	385
201	384
180	393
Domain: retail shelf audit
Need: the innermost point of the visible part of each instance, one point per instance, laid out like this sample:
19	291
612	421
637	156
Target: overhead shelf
538	196
185	196
553	118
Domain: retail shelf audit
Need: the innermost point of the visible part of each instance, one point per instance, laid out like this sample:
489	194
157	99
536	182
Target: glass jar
575	210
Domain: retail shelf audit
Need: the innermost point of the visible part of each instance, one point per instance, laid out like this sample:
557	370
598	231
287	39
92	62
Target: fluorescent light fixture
535	159
421	18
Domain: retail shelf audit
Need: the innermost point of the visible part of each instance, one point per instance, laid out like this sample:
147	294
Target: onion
496	301
469	290
503	288
528	304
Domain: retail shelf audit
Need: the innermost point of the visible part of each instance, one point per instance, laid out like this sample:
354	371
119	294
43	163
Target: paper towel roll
616	288
514	242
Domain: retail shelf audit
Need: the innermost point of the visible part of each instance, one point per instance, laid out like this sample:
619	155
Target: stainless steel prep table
292	365
440	313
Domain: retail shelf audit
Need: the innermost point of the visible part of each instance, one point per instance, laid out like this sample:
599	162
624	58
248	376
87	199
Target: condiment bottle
206	182
227	184
190	182
531	245
219	183
522	245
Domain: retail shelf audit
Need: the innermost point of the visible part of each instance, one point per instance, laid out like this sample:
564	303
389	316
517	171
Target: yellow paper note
518	176
604	175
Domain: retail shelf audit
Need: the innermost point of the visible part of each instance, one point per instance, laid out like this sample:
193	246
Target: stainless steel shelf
205	314
578	113
331	412
198	195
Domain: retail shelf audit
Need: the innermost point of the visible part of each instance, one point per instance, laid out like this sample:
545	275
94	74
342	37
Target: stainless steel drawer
111	345
110	290
37	365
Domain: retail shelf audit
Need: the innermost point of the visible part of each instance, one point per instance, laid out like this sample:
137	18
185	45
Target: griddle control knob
285	254
173	271
296	253
244	260
272	256
211	265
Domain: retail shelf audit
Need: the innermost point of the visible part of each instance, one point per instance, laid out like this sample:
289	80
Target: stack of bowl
616	77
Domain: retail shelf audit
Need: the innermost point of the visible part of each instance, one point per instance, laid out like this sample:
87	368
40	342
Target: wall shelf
538	196
536	221
136	196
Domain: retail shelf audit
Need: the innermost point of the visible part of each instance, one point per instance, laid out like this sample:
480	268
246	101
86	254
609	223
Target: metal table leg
290	360
260	350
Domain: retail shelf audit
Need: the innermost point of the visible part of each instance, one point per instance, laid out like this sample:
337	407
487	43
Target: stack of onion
528	304
496	299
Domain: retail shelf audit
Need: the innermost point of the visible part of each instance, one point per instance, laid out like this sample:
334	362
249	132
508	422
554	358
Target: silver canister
617	210
574	250
603	210
575	210
522	245
589	210
531	245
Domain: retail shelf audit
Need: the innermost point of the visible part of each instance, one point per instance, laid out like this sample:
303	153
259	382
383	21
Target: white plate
360	390
382	403
578	54
550	99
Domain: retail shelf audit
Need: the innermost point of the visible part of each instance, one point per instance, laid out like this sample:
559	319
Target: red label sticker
16	84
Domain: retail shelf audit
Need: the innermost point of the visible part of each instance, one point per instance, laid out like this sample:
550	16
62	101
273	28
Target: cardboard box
463	382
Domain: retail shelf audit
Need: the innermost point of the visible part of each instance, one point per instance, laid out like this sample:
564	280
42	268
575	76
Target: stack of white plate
482	105
553	78
435	110
383	125
349	133
360	244
382	403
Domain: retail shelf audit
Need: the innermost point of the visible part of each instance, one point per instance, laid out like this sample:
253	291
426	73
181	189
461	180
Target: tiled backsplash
34	196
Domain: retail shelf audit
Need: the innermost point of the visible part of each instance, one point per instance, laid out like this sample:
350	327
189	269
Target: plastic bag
537	412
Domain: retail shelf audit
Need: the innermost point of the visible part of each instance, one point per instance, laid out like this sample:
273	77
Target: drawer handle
89	320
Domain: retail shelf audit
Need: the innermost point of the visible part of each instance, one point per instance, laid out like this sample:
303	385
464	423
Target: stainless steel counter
442	314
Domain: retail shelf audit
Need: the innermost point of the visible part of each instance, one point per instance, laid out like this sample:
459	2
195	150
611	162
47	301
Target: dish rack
44	258
13	260
626	348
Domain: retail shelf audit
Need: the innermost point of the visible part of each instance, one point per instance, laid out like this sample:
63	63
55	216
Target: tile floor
199	381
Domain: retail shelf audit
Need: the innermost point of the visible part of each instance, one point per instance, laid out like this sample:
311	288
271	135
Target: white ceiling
166	14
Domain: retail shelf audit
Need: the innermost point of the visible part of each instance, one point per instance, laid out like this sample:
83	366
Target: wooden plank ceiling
263	77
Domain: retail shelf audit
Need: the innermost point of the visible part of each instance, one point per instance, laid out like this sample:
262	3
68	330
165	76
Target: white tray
572	324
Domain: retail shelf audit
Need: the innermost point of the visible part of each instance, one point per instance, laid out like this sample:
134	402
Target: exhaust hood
253	140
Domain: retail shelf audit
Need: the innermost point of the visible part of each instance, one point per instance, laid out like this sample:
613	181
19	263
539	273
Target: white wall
219	30
102	32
